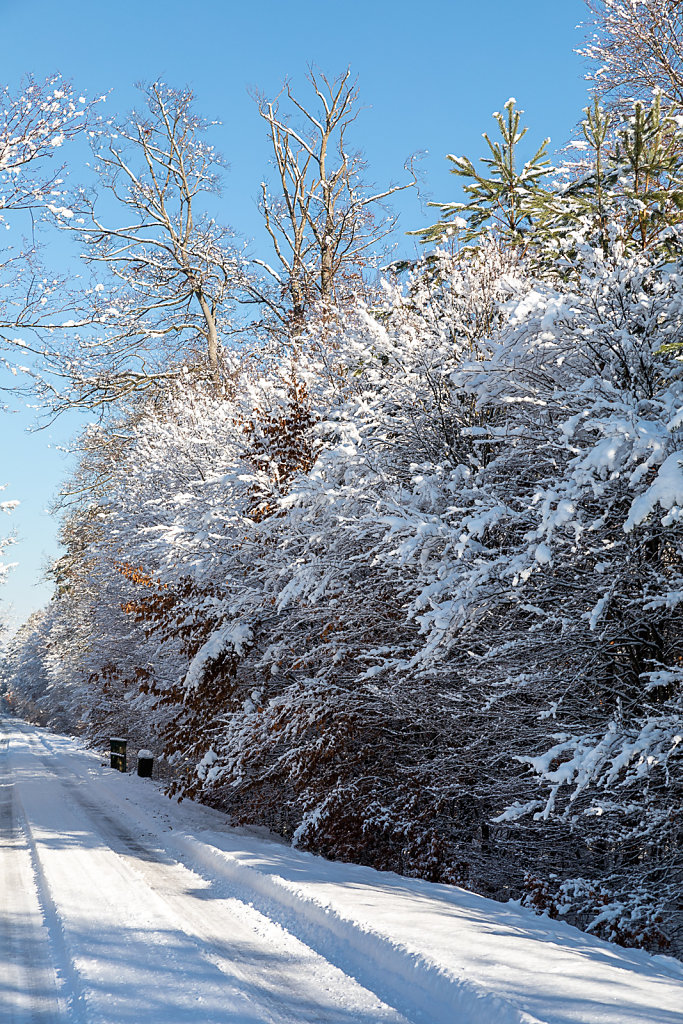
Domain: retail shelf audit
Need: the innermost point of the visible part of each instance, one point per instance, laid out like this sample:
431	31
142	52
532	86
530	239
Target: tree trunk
211	333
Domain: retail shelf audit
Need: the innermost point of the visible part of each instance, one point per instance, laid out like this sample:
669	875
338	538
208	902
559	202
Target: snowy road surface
120	907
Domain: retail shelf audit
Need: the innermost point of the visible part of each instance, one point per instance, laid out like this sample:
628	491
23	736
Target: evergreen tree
507	197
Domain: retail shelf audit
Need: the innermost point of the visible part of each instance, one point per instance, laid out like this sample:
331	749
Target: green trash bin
117	753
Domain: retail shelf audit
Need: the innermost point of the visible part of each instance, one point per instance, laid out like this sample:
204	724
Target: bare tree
169	268
636	46
324	221
35	123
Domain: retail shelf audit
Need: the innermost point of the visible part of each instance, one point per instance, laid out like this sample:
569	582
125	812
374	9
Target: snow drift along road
120	907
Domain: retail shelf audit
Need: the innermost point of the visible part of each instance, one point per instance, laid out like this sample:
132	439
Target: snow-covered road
101	922
120	907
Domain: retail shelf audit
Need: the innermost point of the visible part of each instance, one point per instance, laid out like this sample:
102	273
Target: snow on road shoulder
448	949
435	952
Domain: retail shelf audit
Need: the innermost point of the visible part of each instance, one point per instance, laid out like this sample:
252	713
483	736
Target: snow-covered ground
118	906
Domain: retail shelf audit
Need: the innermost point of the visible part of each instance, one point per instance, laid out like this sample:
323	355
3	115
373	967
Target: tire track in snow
72	991
160	877
417	991
31	990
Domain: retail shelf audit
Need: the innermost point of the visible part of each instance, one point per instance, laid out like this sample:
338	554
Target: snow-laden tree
503	193
35	122
172	568
549	583
583	572
23	674
7	507
268	573
624	179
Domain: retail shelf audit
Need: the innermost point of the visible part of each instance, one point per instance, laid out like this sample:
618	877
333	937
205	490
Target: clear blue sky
429	75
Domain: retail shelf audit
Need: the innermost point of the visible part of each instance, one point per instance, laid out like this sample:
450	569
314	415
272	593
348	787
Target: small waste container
117	755
145	764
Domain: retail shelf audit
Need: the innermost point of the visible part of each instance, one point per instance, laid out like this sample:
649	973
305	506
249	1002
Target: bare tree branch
321	220
172	269
636	46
